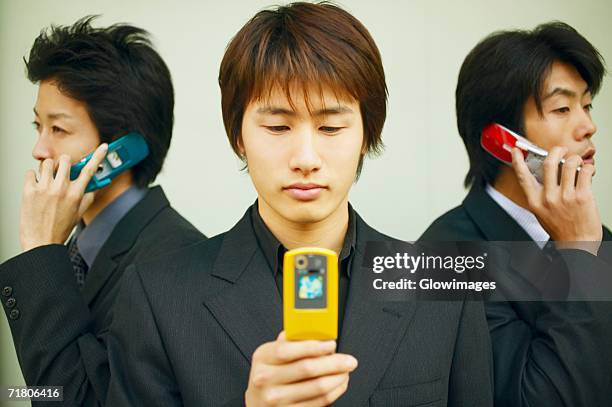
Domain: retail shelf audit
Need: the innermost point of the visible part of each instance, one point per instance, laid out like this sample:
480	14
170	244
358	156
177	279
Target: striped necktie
78	263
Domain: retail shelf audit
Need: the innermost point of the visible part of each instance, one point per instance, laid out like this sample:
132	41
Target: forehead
564	76
304	98
51	101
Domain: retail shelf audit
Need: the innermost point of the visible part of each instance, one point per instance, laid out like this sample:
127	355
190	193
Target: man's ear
240	147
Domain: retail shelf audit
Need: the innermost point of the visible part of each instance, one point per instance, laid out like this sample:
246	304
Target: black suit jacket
193	320
545	353
60	331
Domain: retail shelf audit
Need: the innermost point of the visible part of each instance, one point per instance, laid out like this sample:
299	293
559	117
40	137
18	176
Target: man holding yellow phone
303	101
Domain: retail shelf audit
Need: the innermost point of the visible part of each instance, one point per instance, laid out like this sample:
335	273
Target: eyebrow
54	115
564	92
276	110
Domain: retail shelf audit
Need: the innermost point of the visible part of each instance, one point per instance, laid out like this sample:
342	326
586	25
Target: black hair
116	73
500	74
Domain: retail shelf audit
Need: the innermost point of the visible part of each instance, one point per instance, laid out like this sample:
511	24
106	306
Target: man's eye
56	129
563	109
36	125
277	129
588	107
330	129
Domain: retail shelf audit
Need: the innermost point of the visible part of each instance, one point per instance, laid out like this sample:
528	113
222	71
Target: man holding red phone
95	85
539	84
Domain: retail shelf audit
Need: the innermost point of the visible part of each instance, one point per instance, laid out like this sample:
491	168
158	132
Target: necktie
78	263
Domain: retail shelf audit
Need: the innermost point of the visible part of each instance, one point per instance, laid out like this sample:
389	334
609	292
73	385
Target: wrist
588	246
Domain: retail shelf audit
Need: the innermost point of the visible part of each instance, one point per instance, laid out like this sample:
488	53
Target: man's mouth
589	157
305	191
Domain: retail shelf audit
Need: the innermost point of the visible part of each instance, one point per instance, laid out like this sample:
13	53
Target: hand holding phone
52	204
567	210
297	373
302	365
558	191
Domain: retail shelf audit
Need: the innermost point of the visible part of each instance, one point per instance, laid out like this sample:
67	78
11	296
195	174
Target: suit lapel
372	329
250	308
121	240
492	219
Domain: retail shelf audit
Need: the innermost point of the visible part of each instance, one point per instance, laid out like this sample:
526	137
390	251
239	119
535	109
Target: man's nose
43	148
586	127
304	156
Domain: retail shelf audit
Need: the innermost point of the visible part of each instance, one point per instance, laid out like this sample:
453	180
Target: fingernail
351	362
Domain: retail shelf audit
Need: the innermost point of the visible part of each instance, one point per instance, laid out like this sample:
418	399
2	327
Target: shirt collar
522	216
274	251
92	237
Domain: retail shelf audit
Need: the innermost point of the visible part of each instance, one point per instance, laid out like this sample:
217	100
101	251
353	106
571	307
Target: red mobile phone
498	141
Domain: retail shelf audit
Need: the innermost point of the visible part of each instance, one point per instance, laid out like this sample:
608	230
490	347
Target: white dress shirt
522	216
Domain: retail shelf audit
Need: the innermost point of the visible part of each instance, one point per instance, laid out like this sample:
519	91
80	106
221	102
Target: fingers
525	178
326	399
551	167
307	372
63	169
281	351
585	179
91	167
568	174
307	390
30	179
308	368
46	173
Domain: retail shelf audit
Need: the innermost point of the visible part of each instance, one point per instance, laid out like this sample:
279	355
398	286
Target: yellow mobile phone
310	294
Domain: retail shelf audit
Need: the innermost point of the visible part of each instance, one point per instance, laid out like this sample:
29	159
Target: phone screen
310	286
310	277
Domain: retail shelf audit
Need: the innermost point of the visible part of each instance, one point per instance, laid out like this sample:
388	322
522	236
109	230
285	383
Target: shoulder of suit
183	265
365	232
456	224
167	231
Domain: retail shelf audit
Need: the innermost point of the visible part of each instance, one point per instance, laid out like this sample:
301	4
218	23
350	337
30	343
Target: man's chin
301	212
306	217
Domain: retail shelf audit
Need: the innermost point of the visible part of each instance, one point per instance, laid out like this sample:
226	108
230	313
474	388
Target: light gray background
422	43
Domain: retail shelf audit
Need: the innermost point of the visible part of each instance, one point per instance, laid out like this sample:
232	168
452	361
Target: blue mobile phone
123	154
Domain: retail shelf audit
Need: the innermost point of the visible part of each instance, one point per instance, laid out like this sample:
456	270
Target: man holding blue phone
540	84
101	90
